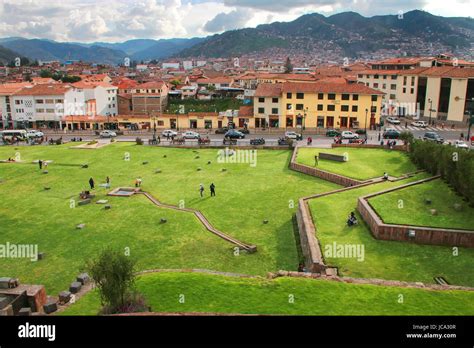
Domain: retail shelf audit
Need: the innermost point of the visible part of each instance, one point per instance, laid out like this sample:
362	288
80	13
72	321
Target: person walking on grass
213	190
40	163
201	190
91	183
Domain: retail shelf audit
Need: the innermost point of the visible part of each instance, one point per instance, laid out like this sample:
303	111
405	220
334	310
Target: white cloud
120	20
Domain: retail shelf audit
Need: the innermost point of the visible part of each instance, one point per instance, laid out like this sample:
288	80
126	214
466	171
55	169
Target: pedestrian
91	183
406	124
213	190
40	163
45	165
316	160
385	176
201	190
138	182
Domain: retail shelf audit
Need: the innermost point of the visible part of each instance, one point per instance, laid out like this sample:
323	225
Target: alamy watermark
237	156
345	251
19	251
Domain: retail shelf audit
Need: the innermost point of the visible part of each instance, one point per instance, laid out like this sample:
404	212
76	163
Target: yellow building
317	105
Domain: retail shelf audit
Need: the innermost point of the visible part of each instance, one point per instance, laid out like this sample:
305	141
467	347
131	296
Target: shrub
139	141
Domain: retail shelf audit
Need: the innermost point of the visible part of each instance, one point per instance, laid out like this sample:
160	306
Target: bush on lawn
114	275
456	166
139	141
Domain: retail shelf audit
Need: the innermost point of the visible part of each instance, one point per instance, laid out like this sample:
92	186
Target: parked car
361	131
433	136
32	133
293	136
461	144
107	134
245	131
332	133
259	141
422	124
222	130
234	134
191	135
285	141
391	133
349	135
393	120
169	133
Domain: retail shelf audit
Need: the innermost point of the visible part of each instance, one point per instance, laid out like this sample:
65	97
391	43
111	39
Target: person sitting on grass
385	176
352	220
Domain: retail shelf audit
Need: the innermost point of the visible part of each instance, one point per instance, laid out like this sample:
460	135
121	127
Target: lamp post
366	114
304	120
431	107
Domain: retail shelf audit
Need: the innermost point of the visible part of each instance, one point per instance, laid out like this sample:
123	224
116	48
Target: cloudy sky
120	20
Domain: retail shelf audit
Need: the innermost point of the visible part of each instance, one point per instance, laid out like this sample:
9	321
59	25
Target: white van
9	135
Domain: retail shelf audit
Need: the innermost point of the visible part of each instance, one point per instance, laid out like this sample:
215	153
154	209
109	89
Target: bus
12	136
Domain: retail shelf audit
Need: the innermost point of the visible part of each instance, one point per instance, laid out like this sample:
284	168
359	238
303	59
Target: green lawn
408	207
385	259
362	164
211	293
245	197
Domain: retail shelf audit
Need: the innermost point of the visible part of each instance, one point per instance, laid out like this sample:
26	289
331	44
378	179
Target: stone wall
309	244
371	146
423	235
335	178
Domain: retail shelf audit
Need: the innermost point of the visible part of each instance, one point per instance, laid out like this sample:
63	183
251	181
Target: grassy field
245	197
362	164
414	211
211	293
385	259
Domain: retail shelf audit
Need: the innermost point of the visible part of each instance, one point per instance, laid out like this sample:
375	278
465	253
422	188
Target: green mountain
7	55
348	32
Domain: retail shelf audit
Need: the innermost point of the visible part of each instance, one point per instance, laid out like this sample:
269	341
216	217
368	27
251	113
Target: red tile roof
246	111
268	90
45	89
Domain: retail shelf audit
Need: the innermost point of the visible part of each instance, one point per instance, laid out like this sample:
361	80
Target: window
40	111
299	106
320	107
373	109
393	87
59	101
49	101
344	108
299	95
404	80
161	123
376	85
374	98
289	107
392	96
355	97
261	100
413	80
17	102
320	121
208	124
394	77
274	111
274	100
50	111
404	90
355	108
360	76
412	91
289	95
331	108
261	110
331	96
384	86
384	77
320	96
376	76
345	97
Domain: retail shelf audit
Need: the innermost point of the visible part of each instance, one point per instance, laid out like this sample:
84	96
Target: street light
366	114
431	107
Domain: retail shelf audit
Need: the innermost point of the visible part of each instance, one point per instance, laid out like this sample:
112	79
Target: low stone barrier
309	244
372	146
415	234
332	157
322	174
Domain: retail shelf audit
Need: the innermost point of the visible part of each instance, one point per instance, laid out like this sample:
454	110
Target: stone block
84	202
158	171
428	201
265	222
163	220
50	306
83	278
85	166
45	172
24	312
434	212
75	287
108	207
145	163
81	226
4	302
102	201
199	169
64	296
41	256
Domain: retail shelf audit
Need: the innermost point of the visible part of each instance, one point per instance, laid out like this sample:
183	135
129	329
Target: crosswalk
427	129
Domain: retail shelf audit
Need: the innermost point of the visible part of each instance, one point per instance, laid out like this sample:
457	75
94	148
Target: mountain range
346	33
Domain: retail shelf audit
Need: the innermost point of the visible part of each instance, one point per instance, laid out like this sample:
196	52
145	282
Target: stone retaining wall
335	178
423	235
309	244
372	146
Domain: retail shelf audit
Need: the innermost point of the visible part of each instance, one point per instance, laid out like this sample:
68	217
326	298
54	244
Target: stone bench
332	157
75	287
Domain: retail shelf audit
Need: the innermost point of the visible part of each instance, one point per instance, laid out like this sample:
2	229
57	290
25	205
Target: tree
288	66
70	79
46	73
114	275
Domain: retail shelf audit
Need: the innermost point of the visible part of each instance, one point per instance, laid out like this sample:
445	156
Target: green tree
70	79
114	275
46	73
288	66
